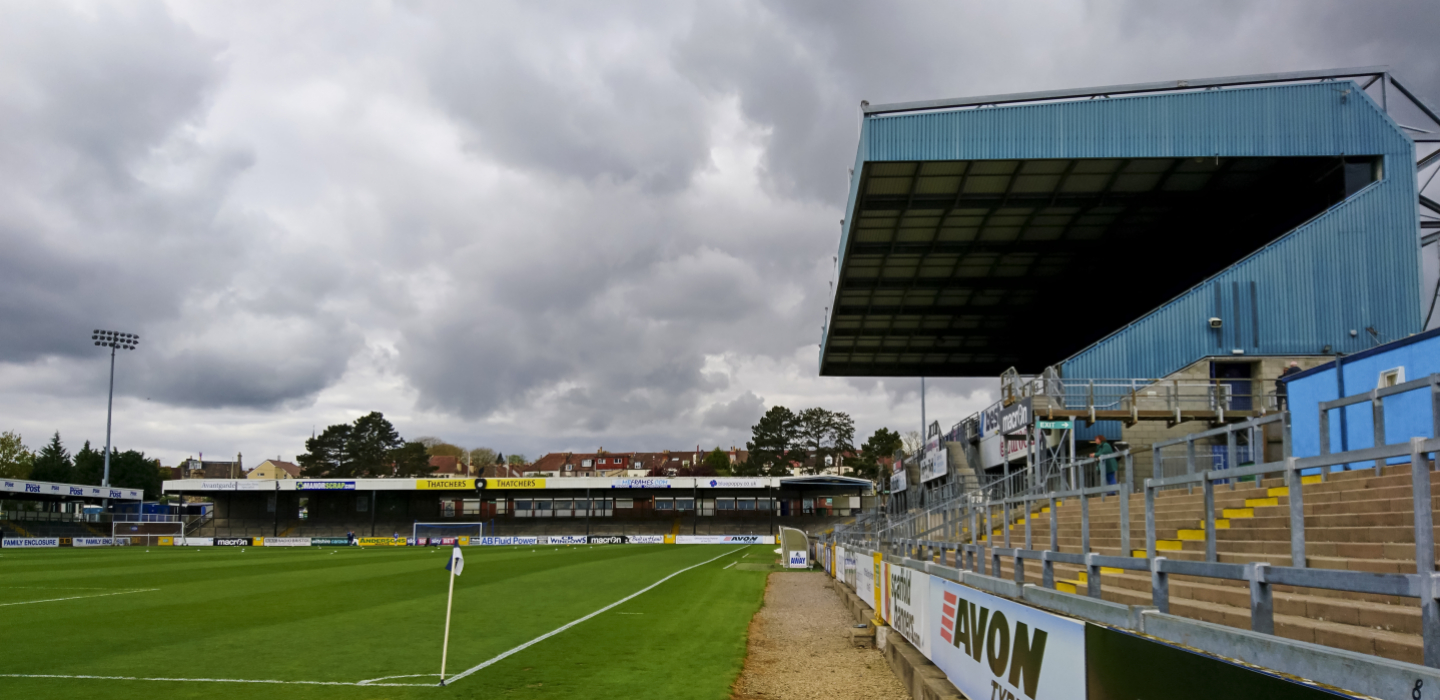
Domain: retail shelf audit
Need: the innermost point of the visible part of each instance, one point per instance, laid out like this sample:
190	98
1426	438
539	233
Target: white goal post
447	531
145	533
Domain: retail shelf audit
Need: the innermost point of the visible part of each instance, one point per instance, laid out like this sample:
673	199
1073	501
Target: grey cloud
737	414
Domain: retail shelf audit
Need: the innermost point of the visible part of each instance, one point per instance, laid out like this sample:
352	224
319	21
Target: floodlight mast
115	341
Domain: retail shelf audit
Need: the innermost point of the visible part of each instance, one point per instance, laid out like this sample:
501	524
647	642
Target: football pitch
617	621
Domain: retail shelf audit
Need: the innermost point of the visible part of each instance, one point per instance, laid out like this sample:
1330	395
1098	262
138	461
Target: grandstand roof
1014	230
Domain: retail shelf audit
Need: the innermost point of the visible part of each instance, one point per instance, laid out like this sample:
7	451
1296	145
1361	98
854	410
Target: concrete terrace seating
33	528
1357	520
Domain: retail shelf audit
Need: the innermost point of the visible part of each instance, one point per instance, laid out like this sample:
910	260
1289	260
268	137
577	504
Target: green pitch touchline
78	597
562	628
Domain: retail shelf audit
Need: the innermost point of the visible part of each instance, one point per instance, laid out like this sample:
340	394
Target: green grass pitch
345	615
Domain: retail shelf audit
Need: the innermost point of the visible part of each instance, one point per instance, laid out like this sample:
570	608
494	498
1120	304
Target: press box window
664	504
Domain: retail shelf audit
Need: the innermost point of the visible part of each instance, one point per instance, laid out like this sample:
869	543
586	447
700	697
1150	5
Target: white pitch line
562	628
78	597
733	563
209	680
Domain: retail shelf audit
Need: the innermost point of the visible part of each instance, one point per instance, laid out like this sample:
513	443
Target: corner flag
455	565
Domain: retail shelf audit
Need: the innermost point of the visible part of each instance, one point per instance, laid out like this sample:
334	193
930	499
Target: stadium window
523	505
745	504
724	504
563	505
664	504
542	505
624	503
1391	377
684	504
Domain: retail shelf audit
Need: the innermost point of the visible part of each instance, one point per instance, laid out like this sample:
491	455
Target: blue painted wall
1355	266
1406	415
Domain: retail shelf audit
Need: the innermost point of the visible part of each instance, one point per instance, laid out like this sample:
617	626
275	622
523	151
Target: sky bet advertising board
993	648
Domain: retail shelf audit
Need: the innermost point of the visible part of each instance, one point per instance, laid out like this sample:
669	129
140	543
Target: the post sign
991	647
933	465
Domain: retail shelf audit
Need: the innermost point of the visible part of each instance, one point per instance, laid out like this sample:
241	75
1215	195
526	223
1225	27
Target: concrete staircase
1359	520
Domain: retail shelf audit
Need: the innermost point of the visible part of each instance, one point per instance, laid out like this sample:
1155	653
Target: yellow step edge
1111	570
1312	479
1261	502
1239	512
1082	577
1065	587
1137	554
1278	491
1220	524
1168	545
1191	535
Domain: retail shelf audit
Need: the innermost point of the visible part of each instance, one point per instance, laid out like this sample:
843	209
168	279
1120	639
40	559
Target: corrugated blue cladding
1355	266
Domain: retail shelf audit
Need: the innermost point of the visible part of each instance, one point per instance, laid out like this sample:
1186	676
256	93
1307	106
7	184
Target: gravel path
800	648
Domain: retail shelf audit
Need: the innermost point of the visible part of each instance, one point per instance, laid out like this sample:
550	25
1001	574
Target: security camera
1215	322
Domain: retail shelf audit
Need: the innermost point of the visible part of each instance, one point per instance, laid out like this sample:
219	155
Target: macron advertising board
991	647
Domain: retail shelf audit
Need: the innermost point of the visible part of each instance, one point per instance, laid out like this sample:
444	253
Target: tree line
53	462
813	439
371	447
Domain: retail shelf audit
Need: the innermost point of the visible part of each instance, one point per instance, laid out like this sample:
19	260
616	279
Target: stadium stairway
1357	520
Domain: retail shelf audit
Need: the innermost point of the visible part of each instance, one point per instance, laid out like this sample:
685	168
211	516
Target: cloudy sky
532	226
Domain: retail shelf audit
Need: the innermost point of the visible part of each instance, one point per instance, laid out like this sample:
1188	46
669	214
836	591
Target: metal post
1159	585
1262	600
1209	487
1029	514
1006	516
587	512
1232	453
374	506
1047	570
1149	520
1297	515
1125	520
1377	419
1129	470
1425	552
1019	570
1084	524
1054	526
277	509
1092	576
109	413
1325	431
1189	462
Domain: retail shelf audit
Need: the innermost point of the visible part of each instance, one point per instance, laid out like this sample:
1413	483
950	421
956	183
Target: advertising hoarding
645	539
724	539
640	484
864	579
92	542
730	482
287	541
307	485
29	542
992	647
515	483
897	480
233	541
907	598
567	539
381	541
444	484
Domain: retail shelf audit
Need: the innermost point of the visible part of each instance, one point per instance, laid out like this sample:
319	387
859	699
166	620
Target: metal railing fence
1260	576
